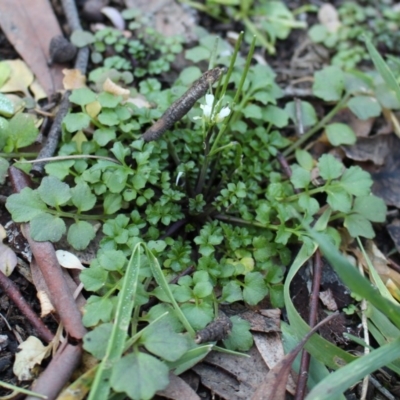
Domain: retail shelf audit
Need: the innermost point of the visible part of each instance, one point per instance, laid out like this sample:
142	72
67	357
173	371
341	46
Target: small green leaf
80	234
104	135
364	107
356	181
358	225
160	339
255	288
59	169
97	309
240	337
54	192
82	96
197	54
25	205
300	178
232	292
109	100
198	315
304	159
93	278
306	112
112	203
95	341
47	227
338	199
108	117
329	83
339	134
74	122
371	207
308	204
263	212
150	375
21	131
275	115
253	111
82	38
329	167
82	197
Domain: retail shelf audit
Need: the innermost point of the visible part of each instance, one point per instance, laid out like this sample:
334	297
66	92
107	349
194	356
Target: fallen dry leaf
8	259
21	77
232	377
178	389
328	300
274	386
30	26
68	260
387	178
271	349
73	79
32	352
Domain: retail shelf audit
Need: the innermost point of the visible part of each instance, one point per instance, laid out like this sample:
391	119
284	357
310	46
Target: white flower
209	114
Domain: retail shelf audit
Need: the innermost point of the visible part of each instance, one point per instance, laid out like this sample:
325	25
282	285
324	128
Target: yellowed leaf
93	109
37	90
32	353
79	138
111	87
73	79
21	77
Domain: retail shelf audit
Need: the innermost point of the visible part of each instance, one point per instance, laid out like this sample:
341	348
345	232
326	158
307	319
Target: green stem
14	155
318	126
81	216
254	30
238	92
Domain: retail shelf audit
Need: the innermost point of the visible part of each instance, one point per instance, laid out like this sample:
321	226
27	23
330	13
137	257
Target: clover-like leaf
80	234
240	337
74	122
255	288
82	197
329	167
364	107
329	83
95	342
358	225
150	375
25	205
97	309
47	227
356	181
371	207
339	134
54	192
160	339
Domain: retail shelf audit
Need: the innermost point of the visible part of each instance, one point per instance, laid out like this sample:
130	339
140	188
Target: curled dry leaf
46	306
328	300
68	260
73	79
114	16
111	87
329	17
32	352
8	259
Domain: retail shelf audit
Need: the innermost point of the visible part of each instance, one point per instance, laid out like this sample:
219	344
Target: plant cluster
378	21
209	194
140	48
268	21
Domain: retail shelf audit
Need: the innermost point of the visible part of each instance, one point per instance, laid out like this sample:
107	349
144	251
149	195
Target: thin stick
183	105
